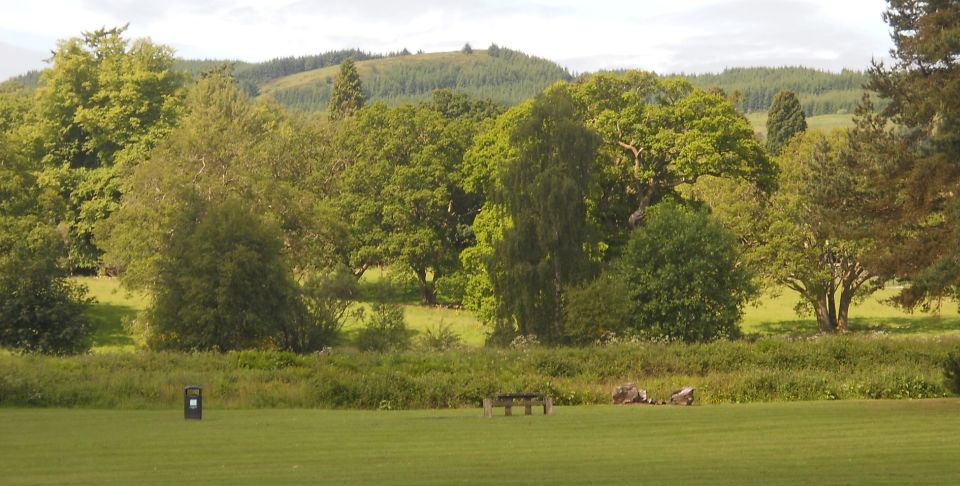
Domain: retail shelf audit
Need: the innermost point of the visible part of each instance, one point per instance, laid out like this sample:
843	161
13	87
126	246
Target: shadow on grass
108	319
889	325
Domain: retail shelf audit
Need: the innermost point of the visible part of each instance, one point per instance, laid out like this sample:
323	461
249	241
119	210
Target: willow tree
543	192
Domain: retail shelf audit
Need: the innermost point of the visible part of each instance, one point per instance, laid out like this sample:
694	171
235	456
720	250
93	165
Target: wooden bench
528	400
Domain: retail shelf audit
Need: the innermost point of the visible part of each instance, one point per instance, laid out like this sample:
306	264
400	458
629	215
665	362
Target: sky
666	36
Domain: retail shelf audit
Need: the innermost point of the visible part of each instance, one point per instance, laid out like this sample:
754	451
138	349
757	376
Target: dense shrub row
722	371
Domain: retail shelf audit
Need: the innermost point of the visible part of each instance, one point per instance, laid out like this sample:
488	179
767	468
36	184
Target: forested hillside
820	92
499	74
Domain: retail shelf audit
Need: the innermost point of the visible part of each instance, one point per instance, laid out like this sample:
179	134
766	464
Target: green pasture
819	122
769	316
851	442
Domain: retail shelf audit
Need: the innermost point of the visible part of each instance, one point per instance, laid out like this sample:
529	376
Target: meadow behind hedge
764	370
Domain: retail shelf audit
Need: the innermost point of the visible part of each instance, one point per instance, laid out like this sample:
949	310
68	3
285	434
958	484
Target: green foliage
467	49
102	105
597	310
224	284
347	97
410	156
807	243
508	78
684	276
40	310
911	150
951	372
384	330
440	338
772	369
543	193
659	135
784	121
820	92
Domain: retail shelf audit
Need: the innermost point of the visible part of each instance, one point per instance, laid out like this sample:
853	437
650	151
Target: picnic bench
508	400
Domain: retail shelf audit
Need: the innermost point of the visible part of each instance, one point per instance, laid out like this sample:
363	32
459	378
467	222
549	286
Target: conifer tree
347	96
785	119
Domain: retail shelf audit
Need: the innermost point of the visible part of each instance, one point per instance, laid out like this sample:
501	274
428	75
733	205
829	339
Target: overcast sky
583	35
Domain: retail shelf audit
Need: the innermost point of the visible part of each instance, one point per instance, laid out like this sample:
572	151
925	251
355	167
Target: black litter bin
193	402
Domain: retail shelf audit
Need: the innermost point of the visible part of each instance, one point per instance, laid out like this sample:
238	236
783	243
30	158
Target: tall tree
347	96
805	236
785	119
410	158
102	105
913	145
543	192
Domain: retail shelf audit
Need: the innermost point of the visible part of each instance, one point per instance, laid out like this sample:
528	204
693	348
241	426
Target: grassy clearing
774	316
879	442
771	316
819	122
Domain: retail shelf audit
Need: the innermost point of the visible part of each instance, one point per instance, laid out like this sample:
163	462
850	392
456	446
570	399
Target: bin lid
192	387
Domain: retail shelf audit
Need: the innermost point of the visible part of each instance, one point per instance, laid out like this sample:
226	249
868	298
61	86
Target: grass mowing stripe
811	442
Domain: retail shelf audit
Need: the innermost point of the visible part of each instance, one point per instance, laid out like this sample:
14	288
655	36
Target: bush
951	371
40	310
385	330
684	276
599	309
440	338
224	284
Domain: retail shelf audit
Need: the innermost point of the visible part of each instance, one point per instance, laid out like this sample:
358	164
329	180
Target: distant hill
503	75
820	92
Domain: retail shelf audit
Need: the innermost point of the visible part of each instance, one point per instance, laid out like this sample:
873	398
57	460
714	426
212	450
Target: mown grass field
852	442
770	316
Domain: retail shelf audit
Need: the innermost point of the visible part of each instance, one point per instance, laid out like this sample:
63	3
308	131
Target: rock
682	397
629	394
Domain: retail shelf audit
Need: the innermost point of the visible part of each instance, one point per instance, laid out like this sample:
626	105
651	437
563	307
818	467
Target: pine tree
347	96
784	120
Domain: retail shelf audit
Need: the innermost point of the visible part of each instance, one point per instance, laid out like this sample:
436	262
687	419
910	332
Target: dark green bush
440	338
951	371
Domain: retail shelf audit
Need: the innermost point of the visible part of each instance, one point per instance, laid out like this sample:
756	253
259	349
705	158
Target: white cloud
665	35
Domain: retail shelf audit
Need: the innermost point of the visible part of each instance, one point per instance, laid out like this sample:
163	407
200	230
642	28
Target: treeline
506	76
612	207
820	92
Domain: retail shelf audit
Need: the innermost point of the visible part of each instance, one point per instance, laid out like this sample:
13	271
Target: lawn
893	442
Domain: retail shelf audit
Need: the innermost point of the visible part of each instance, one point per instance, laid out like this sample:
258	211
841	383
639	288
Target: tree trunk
824	322
846	297
427	294
832	305
557	330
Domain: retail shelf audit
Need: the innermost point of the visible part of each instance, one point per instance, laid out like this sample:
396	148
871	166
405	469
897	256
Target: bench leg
508	408
487	407
548	406
527	407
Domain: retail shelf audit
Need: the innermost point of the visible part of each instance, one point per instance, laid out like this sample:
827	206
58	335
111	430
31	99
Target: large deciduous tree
913	145
347	97
543	192
806	242
102	105
228	160
785	119
660	134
